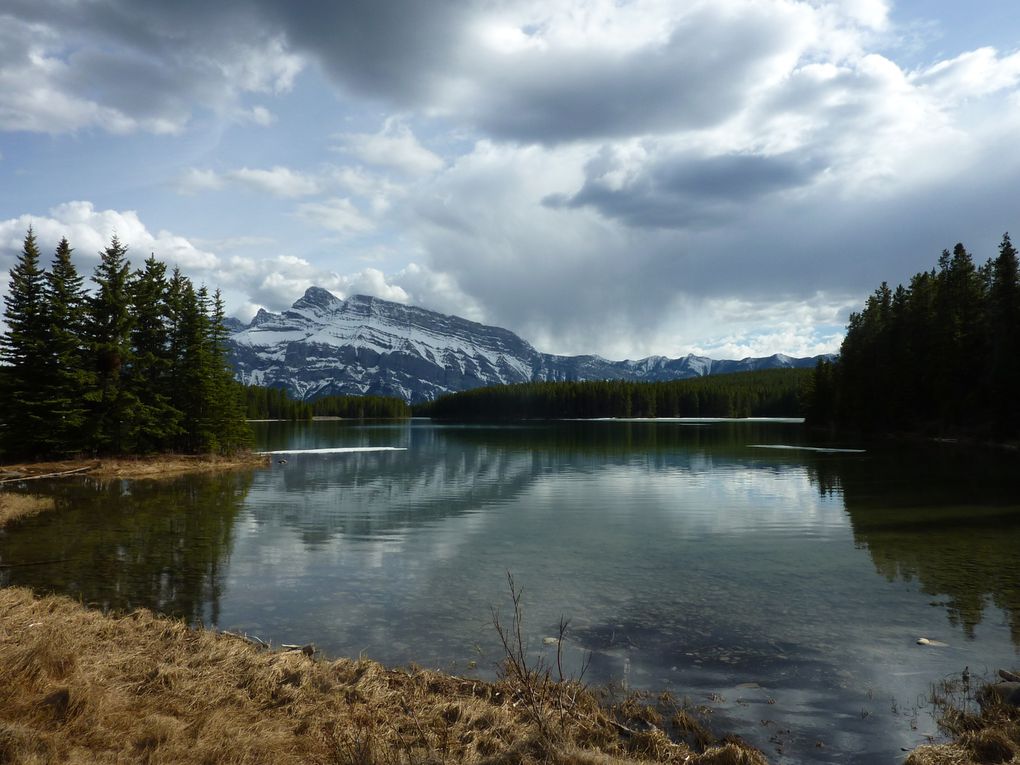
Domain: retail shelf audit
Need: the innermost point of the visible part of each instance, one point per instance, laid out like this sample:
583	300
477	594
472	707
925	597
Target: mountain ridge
364	345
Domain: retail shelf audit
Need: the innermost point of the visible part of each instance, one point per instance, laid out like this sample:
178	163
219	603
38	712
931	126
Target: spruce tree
1004	333
193	367
109	330
67	375
234	432
156	421
24	348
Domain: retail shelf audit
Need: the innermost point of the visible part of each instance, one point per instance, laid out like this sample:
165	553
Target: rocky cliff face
363	345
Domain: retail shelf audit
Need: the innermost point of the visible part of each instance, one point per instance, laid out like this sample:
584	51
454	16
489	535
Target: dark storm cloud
681	191
700	76
380	48
148	58
121	65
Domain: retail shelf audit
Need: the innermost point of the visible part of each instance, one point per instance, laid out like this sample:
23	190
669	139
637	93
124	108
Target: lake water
783	589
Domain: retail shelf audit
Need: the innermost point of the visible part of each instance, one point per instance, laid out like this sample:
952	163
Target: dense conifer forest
939	356
276	404
767	393
137	365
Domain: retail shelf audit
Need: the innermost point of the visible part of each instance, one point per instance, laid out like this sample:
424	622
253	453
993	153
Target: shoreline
22	503
146	466
77	685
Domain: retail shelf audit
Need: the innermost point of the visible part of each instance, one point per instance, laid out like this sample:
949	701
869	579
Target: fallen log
49	475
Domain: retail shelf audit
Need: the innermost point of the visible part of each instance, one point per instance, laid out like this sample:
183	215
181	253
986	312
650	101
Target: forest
276	404
136	365
938	357
766	393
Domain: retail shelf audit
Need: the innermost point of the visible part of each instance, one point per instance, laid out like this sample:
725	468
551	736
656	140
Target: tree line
765	393
276	404
940	355
136	365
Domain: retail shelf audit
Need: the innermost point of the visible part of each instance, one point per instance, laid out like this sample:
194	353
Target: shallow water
784	589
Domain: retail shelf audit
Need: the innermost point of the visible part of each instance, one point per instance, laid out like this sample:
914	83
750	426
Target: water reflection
685	559
945	517
130	544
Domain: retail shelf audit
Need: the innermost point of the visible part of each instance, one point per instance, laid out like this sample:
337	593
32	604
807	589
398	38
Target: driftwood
253	639
48	475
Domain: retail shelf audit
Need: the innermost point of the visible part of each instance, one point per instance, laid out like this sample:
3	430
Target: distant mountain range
363	345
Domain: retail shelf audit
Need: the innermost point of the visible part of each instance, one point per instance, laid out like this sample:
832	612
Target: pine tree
156	421
24	348
230	424
110	324
193	373
1004	332
67	374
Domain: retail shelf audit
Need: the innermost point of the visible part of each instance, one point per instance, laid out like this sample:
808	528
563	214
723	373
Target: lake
780	587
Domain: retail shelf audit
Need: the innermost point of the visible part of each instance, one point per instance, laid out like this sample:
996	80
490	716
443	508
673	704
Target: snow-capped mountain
364	345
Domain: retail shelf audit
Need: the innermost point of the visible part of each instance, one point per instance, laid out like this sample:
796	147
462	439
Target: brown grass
80	686
985	733
14	506
153	466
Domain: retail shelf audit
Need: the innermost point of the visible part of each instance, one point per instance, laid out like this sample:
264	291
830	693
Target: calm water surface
782	588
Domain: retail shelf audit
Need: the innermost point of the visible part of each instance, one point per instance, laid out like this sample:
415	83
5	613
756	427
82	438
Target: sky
620	177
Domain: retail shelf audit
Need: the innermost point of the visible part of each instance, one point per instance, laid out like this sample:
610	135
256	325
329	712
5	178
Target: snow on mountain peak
317	298
324	345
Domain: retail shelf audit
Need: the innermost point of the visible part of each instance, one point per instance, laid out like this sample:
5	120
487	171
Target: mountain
363	345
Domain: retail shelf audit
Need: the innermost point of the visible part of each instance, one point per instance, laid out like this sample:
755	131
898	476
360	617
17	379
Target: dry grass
155	466
80	686
981	733
14	506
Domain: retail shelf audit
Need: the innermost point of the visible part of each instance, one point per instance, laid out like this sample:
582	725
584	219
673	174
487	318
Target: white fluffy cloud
337	214
279	181
395	147
89	231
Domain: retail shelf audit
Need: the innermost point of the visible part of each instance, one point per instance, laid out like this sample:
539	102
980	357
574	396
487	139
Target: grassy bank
152	466
80	686
983	725
14	506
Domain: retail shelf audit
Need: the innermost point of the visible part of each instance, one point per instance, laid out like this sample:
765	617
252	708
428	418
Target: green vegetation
361	407
273	404
940	356
276	404
768	393
136	367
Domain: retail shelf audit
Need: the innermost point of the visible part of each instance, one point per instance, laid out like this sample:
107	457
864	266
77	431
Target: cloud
678	190
276	283
279	181
392	147
336	214
89	231
125	67
257	115
601	176
970	75
195	180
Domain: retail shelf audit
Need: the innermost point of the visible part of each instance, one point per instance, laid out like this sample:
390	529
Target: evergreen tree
233	432
1004	333
68	375
24	348
193	367
109	329
156	421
